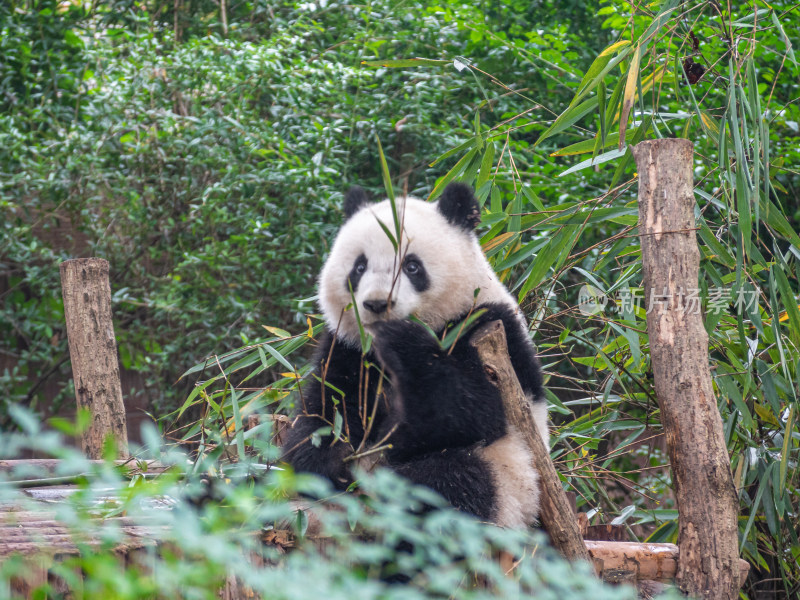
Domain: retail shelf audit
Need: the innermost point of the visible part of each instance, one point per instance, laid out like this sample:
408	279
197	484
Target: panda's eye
411	267
361	267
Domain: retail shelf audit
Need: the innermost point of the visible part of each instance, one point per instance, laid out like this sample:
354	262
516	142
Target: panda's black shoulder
520	347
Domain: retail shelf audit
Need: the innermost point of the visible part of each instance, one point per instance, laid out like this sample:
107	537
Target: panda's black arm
340	367
520	347
442	400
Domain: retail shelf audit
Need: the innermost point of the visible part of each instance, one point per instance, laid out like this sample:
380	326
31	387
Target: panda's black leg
459	475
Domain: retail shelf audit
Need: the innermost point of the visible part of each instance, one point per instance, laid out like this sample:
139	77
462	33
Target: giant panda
438	418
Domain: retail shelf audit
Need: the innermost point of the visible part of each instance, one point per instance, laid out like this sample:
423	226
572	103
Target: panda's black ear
354	199
459	206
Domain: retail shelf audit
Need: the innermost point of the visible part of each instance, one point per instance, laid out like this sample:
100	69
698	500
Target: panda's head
433	274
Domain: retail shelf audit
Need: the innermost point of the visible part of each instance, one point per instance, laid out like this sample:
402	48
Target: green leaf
459	330
613	102
789	301
624	514
522	254
568	117
406	62
601	113
586	146
601	66
552	256
487	162
388	234
787	438
786	41
72	39
457	169
458	149
591	162
237	420
338	422
387	184
277	355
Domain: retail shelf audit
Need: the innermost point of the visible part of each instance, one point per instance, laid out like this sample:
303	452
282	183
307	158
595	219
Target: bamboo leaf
568	117
789	302
776	219
453	173
523	253
742	188
498	241
787	437
613	102
630	91
591	162
387	183
277	331
552	256
601	113
458	149
514	212
601	66
190	401
388	233
487	162
587	146
277	355
237	419
338	422
402	63
789	50
459	330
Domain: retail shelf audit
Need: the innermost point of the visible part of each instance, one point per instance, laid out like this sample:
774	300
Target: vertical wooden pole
708	565
93	351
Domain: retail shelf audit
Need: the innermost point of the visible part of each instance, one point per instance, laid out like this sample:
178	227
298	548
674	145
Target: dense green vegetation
202	147
370	537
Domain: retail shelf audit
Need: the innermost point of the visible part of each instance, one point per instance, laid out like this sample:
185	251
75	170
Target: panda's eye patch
358	269
412	267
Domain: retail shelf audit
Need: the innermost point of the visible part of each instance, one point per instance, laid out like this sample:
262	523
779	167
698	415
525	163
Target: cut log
31	469
633	561
556	516
93	351
705	494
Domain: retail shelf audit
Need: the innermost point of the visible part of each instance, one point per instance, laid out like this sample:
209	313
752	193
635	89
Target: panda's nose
376	306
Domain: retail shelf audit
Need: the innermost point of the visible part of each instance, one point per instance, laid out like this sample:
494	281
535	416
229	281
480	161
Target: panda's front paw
401	344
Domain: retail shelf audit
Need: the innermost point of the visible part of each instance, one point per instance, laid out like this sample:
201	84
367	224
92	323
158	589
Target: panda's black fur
438	413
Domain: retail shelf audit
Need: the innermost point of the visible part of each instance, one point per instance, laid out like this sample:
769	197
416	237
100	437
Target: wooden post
708	566
93	351
557	515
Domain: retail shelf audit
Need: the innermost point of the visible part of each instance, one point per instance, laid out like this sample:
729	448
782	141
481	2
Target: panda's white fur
456	267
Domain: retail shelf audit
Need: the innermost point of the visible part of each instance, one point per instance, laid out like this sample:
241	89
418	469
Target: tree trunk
93	351
707	505
557	515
